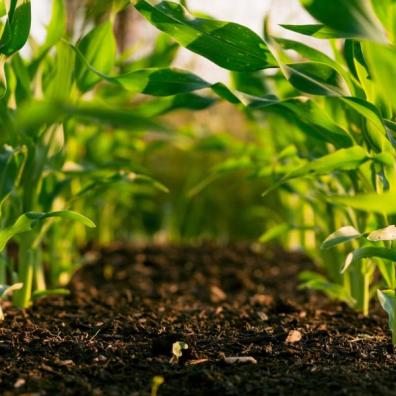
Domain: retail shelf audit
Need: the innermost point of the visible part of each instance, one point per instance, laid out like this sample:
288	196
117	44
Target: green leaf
387	299
342	235
120	177
274	232
49	292
9	172
314	30
28	220
368	252
229	45
160	82
381	61
351	18
18	28
3	8
376	132
315	78
343	159
57	25
99	50
314	281
371	202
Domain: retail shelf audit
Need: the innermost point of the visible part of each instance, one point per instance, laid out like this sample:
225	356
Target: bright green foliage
79	131
351	18
227	44
98	48
339	113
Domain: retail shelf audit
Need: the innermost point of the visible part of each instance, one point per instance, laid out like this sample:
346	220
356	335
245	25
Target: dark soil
115	332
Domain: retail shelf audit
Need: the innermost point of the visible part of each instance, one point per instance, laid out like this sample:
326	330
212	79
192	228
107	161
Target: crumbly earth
115	331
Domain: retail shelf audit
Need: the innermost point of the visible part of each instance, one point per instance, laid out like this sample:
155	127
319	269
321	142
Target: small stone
216	294
240	359
293	336
19	382
263	316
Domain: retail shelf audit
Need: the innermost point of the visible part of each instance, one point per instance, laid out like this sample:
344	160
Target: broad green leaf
351	18
28	220
57	25
384	234
371	202
314	121
381	61
99	50
376	132
314	30
160	106
32	116
343	159
18	28
312	54
229	45
368	252
342	235
3	8
274	232
315	78
387	299
160	82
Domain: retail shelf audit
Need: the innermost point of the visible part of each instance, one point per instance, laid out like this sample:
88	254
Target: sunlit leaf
99	49
342	235
384	234
351	18
227	44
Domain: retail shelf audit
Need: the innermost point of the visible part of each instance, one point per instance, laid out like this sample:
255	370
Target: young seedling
5	291
369	257
177	351
157	381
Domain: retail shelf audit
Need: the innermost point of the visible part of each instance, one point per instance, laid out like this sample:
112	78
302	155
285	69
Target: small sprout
6	291
383	234
177	351
387	299
157	381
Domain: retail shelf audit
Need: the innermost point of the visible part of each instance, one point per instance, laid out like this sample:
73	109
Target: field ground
115	331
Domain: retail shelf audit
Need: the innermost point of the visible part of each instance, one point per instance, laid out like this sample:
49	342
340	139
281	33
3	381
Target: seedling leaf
383	234
342	235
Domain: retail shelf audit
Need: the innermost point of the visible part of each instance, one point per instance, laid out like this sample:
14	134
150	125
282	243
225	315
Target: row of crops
84	129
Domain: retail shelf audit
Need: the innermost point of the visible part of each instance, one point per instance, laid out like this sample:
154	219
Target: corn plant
50	104
336	111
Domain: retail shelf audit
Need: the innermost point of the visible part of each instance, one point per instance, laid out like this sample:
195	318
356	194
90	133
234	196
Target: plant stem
26	268
3	269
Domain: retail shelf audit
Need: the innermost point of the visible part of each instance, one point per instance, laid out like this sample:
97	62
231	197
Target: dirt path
116	330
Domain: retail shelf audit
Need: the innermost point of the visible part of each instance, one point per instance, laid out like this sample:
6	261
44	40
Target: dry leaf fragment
293	336
240	359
